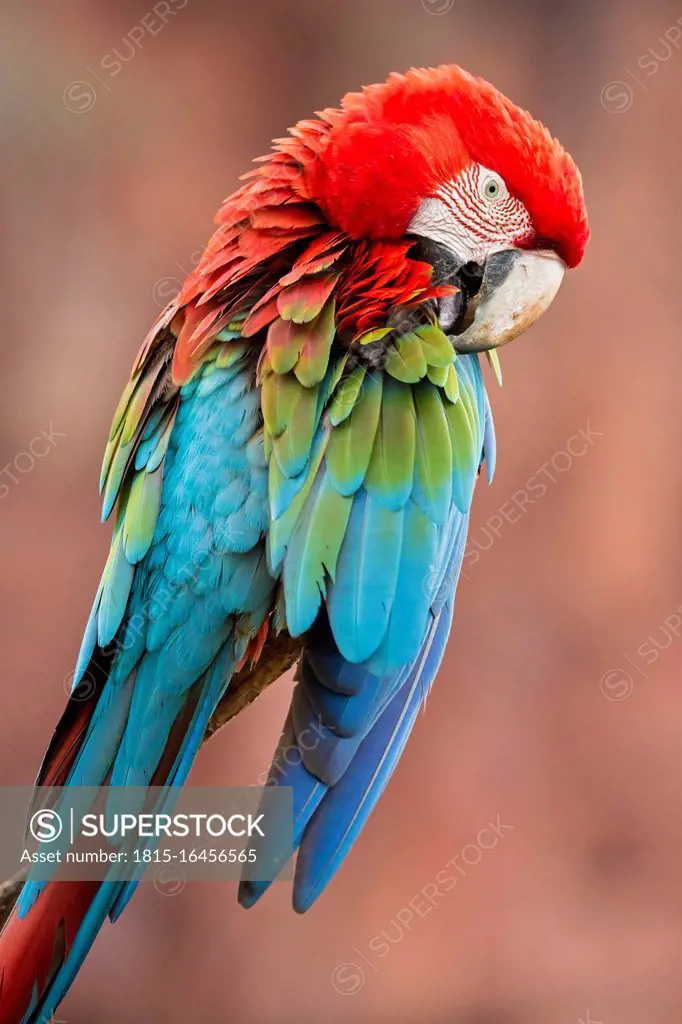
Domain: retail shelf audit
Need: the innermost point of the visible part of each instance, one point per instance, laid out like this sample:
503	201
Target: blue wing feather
360	603
369	660
342	813
167	640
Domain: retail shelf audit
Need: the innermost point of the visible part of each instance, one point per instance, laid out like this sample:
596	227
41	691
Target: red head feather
394	144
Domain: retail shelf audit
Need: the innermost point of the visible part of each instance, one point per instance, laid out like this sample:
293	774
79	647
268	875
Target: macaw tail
54	924
184	592
36	948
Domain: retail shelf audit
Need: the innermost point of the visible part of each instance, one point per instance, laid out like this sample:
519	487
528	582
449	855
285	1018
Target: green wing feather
352	440
391	470
132	476
366	466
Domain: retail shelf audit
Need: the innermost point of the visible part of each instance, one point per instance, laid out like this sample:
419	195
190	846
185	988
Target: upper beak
516	288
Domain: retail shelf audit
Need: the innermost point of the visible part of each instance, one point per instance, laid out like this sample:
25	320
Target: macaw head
493	198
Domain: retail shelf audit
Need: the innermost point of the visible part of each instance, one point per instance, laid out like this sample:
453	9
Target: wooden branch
279	654
9	893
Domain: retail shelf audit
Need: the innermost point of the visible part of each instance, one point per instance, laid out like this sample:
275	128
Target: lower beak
516	288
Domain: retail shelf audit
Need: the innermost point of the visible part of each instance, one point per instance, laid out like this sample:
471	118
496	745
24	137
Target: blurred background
557	714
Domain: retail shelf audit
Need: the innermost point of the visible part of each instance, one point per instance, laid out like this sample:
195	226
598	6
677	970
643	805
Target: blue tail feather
342	814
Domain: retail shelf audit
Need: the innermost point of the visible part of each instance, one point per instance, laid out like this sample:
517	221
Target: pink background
576	914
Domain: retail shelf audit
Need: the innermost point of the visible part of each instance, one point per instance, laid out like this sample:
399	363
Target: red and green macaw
297	450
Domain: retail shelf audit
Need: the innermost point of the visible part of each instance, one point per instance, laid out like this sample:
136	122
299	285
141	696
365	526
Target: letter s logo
45	826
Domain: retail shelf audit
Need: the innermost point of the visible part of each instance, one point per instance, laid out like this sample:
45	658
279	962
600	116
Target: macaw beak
516	288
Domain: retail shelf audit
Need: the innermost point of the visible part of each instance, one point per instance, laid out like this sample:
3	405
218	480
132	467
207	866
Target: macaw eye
492	188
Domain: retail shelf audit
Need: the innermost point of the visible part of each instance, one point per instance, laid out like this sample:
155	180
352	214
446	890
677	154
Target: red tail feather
34	947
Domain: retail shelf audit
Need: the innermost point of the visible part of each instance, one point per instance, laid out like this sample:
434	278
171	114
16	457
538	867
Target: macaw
297	449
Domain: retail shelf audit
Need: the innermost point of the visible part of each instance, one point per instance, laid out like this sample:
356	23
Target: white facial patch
473	216
434	220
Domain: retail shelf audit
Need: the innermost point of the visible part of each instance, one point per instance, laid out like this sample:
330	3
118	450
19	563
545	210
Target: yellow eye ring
492	189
